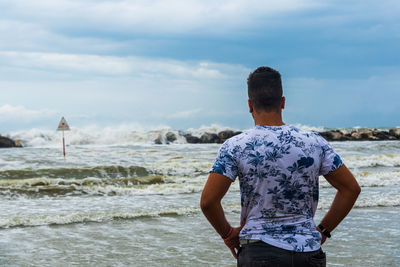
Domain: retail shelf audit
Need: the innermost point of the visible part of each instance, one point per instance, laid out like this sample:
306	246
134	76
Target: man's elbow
206	203
357	190
354	191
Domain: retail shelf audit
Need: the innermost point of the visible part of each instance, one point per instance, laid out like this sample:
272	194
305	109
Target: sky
184	64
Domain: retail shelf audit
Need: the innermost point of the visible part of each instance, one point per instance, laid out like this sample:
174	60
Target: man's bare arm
347	192
215	189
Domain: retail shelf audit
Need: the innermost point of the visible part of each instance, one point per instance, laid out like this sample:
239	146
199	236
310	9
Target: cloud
9	113
370	102
171	16
131	59
104	26
118	88
192	17
115	66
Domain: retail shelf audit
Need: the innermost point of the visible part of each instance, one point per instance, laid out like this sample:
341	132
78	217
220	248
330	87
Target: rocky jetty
361	135
170	137
205	138
331	135
8	142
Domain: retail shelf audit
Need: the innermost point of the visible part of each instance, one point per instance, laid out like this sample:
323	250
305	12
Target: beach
118	199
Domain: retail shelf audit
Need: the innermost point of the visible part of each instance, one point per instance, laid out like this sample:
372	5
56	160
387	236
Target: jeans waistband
248	241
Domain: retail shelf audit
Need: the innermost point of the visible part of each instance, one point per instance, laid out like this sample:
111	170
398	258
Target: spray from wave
120	135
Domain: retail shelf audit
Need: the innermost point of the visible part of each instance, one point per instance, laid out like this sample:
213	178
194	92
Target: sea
118	199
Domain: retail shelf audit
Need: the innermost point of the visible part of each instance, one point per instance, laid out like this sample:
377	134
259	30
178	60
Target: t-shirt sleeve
225	163
330	160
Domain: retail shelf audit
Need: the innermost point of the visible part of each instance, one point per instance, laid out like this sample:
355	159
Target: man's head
265	89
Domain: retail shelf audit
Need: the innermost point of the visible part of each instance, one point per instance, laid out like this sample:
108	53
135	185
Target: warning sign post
63	126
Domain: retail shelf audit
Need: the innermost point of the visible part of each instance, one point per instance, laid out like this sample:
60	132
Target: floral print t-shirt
278	169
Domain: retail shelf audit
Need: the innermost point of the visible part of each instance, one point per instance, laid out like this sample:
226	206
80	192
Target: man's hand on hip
232	241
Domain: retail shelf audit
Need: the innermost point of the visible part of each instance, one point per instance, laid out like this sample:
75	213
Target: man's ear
251	109
283	102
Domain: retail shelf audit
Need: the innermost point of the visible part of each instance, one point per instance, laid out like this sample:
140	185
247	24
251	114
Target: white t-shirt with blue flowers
278	169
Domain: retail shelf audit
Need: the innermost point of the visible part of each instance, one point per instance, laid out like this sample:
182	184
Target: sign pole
63	126
63	144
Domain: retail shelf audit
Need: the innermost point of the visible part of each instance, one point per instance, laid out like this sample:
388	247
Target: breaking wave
121	135
63	219
104	216
113	171
91	186
379	160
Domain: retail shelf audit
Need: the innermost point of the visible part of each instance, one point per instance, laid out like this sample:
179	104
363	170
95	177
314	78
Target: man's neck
268	118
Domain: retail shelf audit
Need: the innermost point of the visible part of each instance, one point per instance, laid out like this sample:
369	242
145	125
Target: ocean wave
127	181
92	186
372	178
367	202
126	186
63	219
104	216
112	171
120	135
377	160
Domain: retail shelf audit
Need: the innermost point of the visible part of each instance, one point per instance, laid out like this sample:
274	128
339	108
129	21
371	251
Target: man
278	168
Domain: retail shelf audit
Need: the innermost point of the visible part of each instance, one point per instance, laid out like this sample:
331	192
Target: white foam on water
140	190
362	161
136	186
367	202
372	178
76	209
117	135
213	128
60	219
310	128
87	136
40	182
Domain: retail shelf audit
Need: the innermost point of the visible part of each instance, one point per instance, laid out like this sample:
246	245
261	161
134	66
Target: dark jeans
262	254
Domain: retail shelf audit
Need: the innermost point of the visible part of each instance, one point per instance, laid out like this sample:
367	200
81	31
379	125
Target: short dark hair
265	89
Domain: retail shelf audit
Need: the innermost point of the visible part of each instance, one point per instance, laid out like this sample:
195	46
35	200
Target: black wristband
324	231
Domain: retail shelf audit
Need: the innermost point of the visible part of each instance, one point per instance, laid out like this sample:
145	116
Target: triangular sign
63	125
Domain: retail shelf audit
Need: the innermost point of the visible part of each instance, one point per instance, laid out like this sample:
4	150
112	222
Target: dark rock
207	138
395	132
334	135
19	142
158	140
224	135
363	135
381	135
355	135
192	139
345	132
170	137
7	142
366	134
346	135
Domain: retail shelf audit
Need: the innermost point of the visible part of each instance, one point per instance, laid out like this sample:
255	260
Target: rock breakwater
361	135
8	142
331	135
192	136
